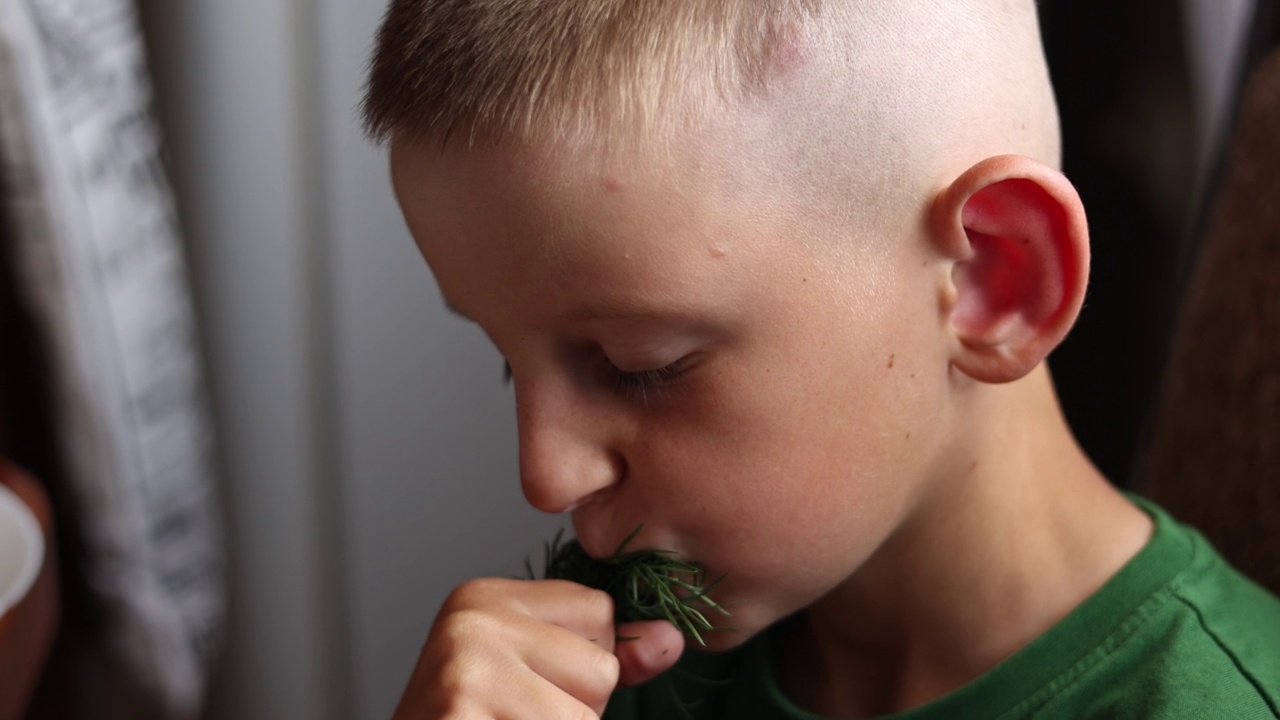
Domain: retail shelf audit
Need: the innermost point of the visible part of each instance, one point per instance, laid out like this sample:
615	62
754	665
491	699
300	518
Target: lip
605	521
602	539
601	549
603	545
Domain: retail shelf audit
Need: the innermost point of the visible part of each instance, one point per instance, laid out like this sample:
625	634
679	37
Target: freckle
668	650
892	359
924	264
974	466
913	376
908	436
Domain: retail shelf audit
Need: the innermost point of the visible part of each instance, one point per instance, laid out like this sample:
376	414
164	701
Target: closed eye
640	383
633	383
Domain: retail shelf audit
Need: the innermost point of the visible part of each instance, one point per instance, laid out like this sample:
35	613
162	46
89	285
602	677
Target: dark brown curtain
1214	459
1120	72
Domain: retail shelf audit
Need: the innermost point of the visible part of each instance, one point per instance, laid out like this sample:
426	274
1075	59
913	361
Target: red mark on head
785	51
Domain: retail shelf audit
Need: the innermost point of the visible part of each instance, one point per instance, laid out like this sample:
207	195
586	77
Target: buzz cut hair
552	69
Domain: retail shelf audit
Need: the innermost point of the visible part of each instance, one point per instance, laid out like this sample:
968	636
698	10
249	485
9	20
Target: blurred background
365	457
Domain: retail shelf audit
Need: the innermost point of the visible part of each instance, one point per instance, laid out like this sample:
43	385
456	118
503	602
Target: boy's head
881	94
764	271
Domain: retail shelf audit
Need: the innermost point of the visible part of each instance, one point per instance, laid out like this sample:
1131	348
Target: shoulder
1209	647
1233	623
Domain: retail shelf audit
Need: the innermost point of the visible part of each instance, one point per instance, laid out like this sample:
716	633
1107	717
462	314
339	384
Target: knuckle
460	684
598	606
607	669
474	592
461	629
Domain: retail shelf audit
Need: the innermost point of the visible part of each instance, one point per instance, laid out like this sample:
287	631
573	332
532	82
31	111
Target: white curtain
100	264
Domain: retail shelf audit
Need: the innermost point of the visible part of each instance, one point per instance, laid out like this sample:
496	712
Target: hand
27	629
531	649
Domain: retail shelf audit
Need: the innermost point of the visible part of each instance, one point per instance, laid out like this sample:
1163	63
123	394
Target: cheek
761	473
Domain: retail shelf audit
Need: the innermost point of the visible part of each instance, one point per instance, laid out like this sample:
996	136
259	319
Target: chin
719	641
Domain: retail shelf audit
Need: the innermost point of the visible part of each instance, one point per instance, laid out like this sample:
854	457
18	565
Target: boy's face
759	385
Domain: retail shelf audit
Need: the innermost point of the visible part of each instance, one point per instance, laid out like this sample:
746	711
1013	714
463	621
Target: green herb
644	584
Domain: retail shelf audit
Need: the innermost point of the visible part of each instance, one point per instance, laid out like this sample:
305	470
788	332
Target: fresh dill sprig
644	584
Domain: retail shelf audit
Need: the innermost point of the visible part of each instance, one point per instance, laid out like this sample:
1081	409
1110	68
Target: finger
512	667
657	646
575	607
545	700
523	695
582	610
577	666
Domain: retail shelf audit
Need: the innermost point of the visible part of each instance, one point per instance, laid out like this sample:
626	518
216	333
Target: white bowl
21	549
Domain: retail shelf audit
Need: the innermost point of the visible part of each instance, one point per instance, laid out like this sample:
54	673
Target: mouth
644	584
604	547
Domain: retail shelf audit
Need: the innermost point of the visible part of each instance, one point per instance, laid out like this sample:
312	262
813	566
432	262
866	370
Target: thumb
656	646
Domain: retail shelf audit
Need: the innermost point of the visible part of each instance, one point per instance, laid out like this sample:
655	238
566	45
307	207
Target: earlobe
1016	232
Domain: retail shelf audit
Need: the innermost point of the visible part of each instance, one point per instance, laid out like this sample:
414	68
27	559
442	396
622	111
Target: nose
565	453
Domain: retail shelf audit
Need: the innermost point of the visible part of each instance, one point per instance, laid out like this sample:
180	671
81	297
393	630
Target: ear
1015	230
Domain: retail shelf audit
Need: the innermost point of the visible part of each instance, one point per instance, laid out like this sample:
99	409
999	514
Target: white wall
431	494
369	447
233	89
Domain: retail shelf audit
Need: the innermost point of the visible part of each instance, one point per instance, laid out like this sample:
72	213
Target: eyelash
631	383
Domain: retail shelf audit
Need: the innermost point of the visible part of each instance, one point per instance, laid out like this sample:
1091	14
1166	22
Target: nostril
568	481
584	500
542	496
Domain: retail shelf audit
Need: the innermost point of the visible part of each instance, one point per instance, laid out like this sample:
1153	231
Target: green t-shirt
1176	634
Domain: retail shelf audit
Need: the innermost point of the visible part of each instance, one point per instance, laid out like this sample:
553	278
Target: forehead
554	192
733	161
525	221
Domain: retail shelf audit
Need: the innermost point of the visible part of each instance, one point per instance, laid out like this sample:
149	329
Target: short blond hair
865	106
545	68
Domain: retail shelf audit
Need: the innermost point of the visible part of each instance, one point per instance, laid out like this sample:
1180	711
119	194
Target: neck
1016	530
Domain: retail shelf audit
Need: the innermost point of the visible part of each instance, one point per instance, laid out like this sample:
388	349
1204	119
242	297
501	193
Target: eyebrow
606	313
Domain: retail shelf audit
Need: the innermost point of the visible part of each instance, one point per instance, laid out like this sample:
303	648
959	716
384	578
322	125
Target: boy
776	279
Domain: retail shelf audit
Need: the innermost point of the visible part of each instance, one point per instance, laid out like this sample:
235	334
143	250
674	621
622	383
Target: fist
535	649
